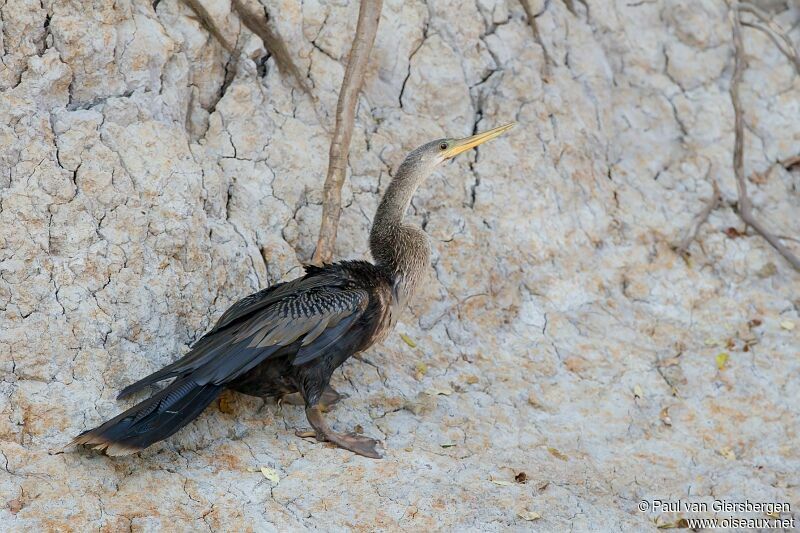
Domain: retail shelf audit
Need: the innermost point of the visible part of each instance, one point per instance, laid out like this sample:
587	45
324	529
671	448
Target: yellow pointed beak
462	145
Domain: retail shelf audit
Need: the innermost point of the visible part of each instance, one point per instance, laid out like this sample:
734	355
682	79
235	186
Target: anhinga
290	337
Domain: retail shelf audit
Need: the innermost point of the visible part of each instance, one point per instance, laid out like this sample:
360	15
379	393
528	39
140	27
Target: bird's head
430	155
416	167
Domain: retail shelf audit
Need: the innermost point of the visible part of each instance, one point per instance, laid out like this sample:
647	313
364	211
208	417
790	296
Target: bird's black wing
312	313
317	278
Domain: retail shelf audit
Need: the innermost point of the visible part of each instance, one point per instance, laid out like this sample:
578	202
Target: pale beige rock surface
557	334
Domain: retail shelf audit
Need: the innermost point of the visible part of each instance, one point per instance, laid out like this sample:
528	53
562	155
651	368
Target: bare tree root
571	6
744	207
700	219
772	30
259	24
790	162
526	5
369	15
205	19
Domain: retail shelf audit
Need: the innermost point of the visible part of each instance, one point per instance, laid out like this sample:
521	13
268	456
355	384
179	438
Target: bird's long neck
399	248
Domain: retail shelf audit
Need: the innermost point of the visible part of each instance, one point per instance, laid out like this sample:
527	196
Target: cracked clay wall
557	333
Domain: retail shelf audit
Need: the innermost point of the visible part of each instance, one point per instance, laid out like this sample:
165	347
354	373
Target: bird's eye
443	146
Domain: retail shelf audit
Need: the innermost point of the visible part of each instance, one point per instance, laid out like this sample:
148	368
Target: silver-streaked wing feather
327	312
316	310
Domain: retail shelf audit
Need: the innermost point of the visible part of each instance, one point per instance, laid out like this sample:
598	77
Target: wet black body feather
289	337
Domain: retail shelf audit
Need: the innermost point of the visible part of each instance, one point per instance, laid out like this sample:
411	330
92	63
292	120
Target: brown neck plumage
401	249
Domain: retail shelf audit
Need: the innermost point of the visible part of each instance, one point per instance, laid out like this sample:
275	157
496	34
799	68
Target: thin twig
744	208
369	15
259	24
700	219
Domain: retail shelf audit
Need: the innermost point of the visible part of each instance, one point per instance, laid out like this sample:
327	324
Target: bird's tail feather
152	420
202	352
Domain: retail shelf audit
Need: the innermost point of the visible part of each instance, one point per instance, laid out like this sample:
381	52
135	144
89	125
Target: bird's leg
331	397
328	399
349	441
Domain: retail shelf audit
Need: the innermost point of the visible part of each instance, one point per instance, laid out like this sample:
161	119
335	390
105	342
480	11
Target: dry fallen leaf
734	233
787	325
471	379
408	340
271	474
420	370
665	416
557	454
638	392
529	515
436	391
767	270
671	361
522	477
534	401
226	404
722	358
680	523
501	482
727	453
14	506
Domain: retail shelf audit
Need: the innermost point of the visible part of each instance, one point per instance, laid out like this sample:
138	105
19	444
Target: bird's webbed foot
328	399
349	441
